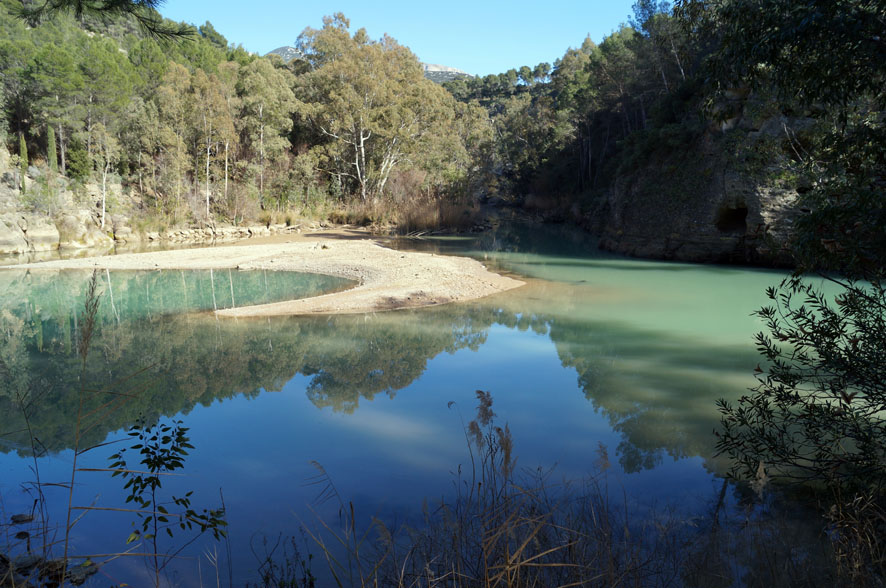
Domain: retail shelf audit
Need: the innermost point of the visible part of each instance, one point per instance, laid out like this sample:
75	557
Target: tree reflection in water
655	390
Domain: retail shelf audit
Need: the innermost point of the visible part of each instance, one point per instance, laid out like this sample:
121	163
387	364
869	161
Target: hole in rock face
732	220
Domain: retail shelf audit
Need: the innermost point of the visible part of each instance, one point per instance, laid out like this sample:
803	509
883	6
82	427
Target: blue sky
478	37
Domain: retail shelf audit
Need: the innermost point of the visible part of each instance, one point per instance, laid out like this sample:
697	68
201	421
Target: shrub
818	413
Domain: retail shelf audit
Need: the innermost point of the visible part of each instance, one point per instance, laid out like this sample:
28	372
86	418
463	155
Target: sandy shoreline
386	279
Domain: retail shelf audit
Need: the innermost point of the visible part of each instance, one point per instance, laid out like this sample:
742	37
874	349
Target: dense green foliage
372	110
198	129
201	129
162	449
565	128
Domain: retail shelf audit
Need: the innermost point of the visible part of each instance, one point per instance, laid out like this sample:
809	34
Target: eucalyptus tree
228	75
51	150
141	143
267	104
214	120
105	154
174	105
23	159
370	101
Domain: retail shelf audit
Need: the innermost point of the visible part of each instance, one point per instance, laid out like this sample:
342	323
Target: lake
598	355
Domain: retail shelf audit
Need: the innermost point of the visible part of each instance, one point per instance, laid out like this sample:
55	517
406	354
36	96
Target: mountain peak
443	73
287	52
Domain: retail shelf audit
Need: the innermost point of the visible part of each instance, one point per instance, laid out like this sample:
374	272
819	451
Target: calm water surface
595	353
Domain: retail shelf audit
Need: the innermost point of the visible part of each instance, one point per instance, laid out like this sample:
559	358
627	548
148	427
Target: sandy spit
386	279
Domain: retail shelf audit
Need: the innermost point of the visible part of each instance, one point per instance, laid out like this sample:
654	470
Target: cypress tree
23	155
51	153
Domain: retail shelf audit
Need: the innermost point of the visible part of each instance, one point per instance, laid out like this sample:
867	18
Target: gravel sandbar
386	279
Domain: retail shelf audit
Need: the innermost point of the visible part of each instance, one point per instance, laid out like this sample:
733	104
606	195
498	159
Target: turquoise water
596	353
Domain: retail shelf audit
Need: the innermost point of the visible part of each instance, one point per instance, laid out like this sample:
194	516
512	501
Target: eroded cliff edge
730	195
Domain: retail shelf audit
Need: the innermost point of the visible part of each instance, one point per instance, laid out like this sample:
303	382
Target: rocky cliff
728	196
25	226
442	73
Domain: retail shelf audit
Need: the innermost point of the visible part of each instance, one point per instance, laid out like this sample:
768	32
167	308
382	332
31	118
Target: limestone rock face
702	205
121	229
40	233
12	240
78	230
25	232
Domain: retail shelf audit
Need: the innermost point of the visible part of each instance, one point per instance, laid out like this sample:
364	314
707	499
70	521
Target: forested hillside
197	130
641	137
632	138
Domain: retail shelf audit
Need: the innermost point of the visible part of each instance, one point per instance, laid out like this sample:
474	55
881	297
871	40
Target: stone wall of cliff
729	196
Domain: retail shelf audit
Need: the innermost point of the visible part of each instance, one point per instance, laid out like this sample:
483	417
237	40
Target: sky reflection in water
595	351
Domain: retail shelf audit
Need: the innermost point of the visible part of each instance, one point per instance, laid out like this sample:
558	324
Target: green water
596	353
129	295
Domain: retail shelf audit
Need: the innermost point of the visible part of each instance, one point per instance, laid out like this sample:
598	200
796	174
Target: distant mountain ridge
435	73
443	73
287	52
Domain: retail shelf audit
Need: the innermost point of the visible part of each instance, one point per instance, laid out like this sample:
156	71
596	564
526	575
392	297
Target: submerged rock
78	575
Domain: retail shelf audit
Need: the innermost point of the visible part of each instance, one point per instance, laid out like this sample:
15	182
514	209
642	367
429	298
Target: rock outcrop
443	73
24	232
78	229
723	199
11	238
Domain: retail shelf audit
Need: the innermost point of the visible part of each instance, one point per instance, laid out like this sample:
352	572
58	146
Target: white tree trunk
105	170
62	150
261	153
208	148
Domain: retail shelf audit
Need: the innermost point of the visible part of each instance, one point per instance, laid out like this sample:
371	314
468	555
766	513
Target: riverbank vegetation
816	417
197	130
200	129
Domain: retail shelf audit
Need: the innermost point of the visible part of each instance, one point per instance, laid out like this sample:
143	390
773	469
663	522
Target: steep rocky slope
23	229
725	197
